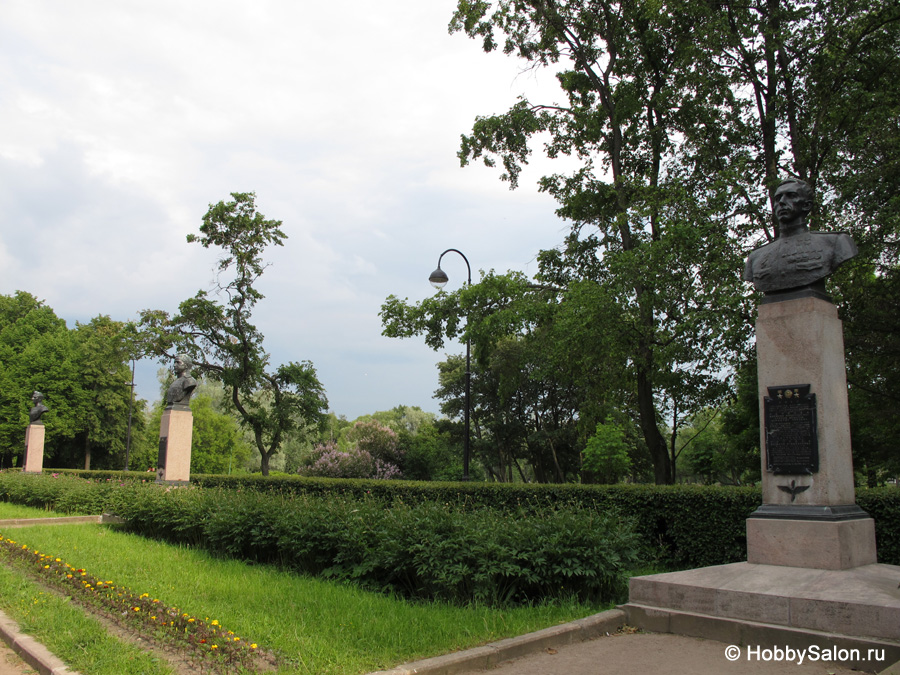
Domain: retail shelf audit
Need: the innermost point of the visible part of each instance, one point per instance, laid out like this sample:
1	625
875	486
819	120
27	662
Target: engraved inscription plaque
792	442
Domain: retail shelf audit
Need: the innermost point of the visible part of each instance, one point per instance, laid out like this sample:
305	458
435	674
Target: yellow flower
253	646
214	646
215	623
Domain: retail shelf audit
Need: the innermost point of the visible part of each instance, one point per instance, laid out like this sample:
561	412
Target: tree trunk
659	451
87	453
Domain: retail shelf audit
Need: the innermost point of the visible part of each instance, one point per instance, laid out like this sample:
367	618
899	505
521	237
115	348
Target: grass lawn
10	511
79	640
318	627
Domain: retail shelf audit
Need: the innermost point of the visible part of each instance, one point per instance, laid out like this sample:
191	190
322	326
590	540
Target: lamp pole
439	279
130	409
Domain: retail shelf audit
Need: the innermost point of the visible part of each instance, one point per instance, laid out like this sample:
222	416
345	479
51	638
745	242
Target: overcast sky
121	121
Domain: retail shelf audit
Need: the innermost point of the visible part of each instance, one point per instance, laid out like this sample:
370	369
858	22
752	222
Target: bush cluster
430	550
679	526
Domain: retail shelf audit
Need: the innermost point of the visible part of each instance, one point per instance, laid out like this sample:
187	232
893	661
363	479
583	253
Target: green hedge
682	526
430	551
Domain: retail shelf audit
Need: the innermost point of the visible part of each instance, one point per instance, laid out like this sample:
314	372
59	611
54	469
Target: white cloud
121	121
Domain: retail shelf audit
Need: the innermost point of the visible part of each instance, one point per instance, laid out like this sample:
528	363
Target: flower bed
211	646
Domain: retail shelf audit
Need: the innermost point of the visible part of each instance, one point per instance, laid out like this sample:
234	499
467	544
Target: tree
667	264
223	342
83	374
217	445
606	453
683	116
103	349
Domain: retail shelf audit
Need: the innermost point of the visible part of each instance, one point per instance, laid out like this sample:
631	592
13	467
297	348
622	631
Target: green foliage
83	375
679	526
58	492
683	116
606	453
883	505
226	346
217	445
429	551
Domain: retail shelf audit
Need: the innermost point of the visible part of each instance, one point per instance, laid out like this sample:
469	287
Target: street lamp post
130	408
439	279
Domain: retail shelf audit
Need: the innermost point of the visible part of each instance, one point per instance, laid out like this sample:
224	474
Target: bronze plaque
792	441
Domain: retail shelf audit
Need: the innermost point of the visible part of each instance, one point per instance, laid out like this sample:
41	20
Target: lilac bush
374	453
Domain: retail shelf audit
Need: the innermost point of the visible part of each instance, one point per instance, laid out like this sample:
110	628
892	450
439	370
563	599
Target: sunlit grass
318	627
9	511
65	629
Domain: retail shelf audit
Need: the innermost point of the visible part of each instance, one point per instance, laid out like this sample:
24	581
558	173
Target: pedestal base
773	605
176	430
823	545
34	449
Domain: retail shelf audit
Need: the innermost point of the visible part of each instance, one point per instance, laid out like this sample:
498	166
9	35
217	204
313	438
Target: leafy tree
683	115
217	444
606	453
872	338
103	348
83	375
223	342
34	345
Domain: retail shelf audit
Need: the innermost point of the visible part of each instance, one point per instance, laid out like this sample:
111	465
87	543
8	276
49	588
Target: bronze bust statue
179	393
799	260
34	415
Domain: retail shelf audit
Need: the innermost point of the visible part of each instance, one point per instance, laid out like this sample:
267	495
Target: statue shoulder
842	245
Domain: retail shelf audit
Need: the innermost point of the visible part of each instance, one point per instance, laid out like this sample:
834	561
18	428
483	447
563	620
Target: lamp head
438	278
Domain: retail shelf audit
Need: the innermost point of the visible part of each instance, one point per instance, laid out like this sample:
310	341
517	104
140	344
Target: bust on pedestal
809	516
177	426
34	436
811	576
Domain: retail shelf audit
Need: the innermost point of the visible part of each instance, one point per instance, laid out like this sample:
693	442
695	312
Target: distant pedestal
34	448
810	518
175	432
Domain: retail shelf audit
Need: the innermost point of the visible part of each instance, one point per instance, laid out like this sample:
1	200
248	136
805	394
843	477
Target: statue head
34	415
183	364
793	201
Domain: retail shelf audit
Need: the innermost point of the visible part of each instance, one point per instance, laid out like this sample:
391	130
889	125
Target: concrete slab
862	603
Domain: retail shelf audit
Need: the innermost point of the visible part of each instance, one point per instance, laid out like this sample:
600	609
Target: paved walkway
645	653
592	646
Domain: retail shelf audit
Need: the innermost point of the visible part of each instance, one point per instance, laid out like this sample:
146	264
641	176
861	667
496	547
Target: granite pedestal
812	576
175	433
34	448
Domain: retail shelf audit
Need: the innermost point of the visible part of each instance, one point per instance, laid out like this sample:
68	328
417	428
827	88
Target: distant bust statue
179	394
798	260
34	415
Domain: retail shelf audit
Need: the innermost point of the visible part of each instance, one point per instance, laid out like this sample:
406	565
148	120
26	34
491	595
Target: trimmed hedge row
683	525
429	551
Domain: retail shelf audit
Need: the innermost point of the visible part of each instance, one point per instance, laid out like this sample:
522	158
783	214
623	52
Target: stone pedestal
175	432
808	519
811	576
34	448
773	605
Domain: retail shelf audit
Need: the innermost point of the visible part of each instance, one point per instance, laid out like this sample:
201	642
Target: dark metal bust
179	394
798	261
34	415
